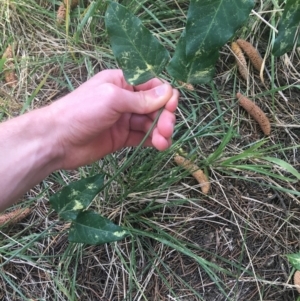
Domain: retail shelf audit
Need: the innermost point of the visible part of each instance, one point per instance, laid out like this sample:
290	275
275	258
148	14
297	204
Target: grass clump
227	245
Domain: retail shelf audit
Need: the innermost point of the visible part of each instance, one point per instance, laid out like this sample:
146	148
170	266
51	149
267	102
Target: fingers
142	99
157	141
135	138
165	124
172	104
143	102
160	142
116	77
162	133
140	102
152	83
143	123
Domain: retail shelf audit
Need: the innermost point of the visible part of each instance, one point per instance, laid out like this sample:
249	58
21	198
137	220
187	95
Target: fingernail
161	90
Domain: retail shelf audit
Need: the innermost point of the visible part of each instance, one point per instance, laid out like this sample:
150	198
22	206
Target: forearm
28	154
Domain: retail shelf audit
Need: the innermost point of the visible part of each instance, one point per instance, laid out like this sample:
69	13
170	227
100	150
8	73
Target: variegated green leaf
137	51
198	70
94	229
210	24
76	197
288	28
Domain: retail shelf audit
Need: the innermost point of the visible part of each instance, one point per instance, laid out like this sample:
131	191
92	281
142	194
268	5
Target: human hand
106	114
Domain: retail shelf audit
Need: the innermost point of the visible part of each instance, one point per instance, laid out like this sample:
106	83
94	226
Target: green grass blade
284	165
210	25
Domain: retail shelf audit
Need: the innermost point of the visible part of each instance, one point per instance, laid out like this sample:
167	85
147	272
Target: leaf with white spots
137	51
198	70
94	229
288	28
76	197
210	24
294	260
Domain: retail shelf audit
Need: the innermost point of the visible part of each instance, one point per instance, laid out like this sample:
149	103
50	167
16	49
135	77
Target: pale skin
100	117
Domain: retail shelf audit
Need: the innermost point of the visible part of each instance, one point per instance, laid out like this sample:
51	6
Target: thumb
143	102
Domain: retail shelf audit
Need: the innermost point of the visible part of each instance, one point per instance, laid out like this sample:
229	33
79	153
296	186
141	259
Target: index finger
112	76
152	83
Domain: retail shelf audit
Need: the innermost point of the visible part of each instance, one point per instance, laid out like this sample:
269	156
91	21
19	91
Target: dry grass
246	224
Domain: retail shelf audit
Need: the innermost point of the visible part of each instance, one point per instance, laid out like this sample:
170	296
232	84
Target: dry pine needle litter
197	173
255	112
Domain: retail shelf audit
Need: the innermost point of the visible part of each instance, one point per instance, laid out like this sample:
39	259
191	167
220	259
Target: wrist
48	148
28	155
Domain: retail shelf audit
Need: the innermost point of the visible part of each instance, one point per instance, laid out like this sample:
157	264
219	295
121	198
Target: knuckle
143	103
110	90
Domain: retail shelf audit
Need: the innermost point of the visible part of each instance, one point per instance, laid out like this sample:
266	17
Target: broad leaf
294	260
288	28
199	70
210	24
94	229
137	51
77	196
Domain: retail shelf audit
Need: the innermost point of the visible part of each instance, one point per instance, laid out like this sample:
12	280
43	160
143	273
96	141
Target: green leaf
284	165
294	260
94	229
288	28
137	51
77	196
199	70
210	24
